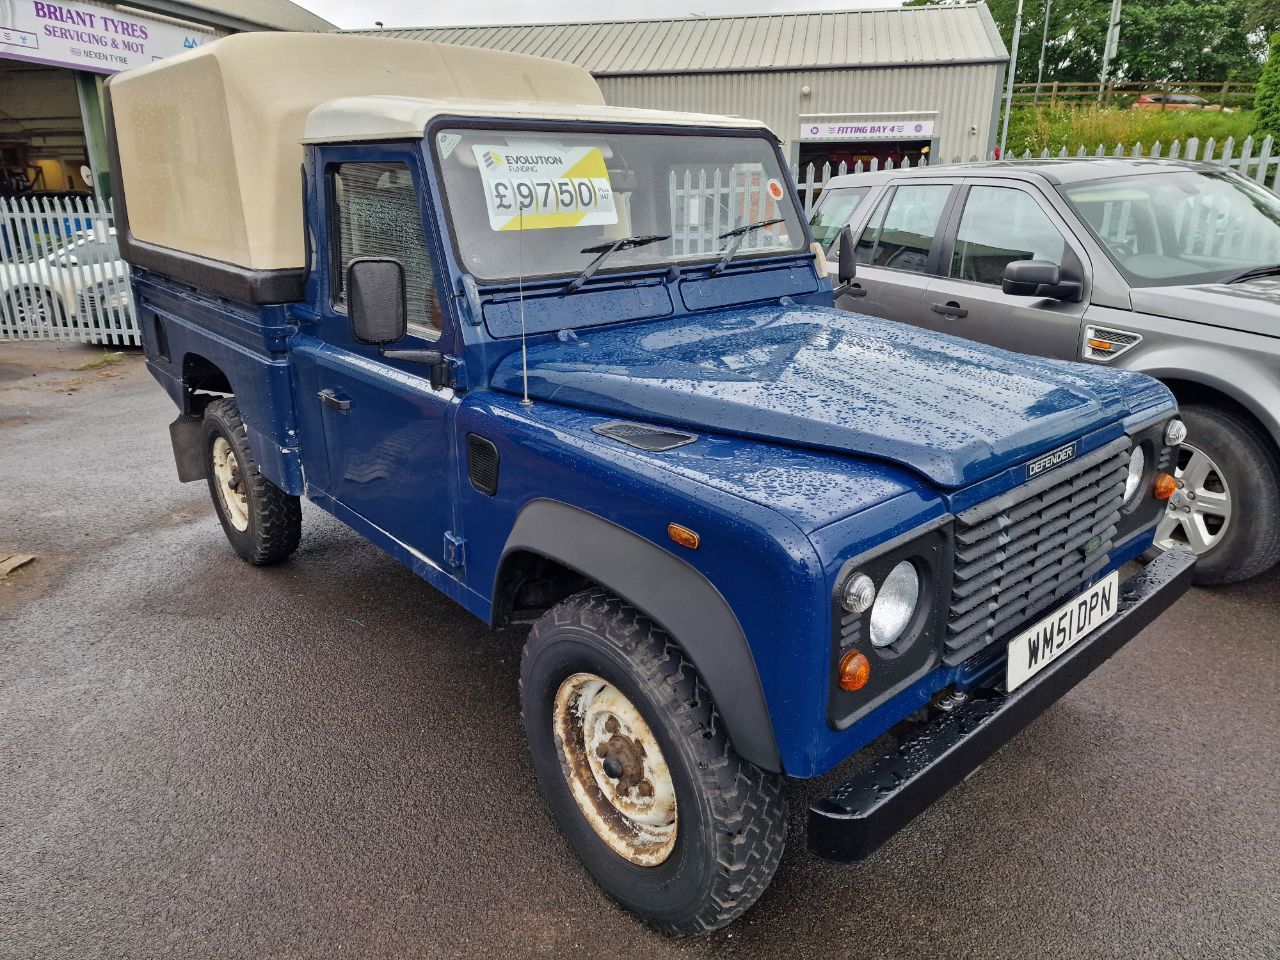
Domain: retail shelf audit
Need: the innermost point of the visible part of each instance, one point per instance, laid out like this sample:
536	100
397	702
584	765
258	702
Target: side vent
160	337
644	437
482	464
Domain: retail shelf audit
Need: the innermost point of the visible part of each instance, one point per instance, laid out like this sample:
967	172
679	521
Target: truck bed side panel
185	332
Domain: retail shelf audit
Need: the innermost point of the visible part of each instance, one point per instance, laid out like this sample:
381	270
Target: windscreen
1179	228
526	203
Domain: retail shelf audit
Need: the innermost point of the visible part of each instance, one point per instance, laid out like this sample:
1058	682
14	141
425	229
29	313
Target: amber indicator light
855	671
1165	486
683	536
1100	344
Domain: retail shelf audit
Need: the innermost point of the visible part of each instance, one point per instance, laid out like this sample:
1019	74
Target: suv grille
1021	553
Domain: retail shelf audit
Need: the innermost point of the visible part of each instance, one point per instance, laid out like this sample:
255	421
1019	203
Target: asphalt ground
325	759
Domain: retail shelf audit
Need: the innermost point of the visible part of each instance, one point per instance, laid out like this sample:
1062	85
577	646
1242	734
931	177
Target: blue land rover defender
579	365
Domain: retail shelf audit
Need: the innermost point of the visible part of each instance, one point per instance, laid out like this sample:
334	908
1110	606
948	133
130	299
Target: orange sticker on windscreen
775	189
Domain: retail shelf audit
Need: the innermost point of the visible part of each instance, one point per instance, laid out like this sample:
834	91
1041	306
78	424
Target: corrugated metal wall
962	96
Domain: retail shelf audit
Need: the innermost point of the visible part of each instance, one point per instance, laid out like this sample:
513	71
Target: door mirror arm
434	359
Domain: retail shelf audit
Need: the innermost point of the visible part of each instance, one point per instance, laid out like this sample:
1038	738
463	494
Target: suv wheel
262	522
639	774
1227	504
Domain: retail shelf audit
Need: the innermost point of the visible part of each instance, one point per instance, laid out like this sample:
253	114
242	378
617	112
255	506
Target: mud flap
184	434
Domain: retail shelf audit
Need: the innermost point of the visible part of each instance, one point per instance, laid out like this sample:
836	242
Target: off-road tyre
273	526
1251	543
730	815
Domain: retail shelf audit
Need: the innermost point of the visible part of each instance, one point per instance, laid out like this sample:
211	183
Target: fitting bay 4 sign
618	423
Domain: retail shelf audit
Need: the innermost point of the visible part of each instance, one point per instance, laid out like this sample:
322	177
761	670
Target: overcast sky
415	13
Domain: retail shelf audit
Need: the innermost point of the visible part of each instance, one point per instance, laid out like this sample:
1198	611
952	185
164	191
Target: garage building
55	54
907	83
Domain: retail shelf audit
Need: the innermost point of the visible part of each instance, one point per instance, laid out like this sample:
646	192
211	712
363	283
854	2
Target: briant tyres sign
84	36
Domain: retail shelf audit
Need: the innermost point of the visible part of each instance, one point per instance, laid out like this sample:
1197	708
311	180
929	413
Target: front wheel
632	759
1226	506
262	522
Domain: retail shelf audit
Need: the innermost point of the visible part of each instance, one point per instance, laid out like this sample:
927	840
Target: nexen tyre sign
85	36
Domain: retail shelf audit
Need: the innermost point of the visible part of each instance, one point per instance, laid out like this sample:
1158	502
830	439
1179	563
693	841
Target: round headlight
1133	482
858	594
899	596
1175	432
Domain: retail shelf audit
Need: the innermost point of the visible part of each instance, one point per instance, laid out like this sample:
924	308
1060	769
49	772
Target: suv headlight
895	604
1137	469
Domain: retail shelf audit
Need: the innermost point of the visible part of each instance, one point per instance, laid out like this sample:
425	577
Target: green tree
1205	40
1267	100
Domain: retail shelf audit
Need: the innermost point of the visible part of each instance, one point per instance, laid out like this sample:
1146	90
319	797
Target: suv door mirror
846	266
376	300
1038	278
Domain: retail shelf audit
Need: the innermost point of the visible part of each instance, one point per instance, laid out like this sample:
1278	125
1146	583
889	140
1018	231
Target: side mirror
846	268
1038	278
376	300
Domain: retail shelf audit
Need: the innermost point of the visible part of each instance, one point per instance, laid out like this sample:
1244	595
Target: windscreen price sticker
541	186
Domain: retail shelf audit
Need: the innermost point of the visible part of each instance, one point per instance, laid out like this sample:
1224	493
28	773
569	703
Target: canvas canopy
208	142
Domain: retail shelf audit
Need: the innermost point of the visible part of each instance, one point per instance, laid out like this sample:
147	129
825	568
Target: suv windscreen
1180	228
524	203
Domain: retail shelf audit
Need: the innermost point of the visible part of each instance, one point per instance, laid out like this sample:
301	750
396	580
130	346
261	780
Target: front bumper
856	819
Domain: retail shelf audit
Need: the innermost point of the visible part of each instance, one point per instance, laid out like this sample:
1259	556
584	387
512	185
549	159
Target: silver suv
1170	268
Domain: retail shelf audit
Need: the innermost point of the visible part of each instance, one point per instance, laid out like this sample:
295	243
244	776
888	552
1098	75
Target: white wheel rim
1199	512
615	769
230	484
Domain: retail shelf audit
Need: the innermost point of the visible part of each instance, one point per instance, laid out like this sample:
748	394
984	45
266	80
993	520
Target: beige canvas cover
208	141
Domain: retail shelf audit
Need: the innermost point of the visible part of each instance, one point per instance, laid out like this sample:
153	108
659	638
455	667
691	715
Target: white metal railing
1259	161
61	276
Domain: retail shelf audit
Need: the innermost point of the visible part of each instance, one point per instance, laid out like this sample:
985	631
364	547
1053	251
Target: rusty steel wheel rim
615	769
230	483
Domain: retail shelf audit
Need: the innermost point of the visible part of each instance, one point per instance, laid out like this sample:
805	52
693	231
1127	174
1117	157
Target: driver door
385	433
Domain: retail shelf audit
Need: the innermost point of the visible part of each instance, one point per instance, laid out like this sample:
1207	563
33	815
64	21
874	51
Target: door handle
331	399
950	309
854	290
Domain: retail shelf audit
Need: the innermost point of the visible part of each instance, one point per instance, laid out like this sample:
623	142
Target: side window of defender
376	214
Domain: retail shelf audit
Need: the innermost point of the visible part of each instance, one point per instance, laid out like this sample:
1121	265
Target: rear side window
835	207
900	237
376	214
1000	225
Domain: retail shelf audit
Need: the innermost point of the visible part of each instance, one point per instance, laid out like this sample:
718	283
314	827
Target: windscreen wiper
606	250
739	234
1266	270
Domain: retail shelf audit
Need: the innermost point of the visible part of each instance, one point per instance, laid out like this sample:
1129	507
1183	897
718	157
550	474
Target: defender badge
1050	460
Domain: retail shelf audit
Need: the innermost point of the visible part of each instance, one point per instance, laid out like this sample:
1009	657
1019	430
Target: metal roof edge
790	68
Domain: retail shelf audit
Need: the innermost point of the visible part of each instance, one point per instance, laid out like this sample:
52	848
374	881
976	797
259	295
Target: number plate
1034	649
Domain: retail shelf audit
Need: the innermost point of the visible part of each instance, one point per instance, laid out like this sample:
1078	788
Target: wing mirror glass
1038	278
376	300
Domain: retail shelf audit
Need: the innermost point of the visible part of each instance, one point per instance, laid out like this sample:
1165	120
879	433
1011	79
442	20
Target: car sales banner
85	36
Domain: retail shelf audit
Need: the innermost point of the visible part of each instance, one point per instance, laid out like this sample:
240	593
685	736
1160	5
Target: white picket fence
61	276
1258	161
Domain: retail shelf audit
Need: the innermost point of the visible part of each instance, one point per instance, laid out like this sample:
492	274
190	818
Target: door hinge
456	373
455	549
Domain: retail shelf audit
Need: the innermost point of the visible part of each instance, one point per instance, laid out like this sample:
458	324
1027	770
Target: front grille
1020	554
